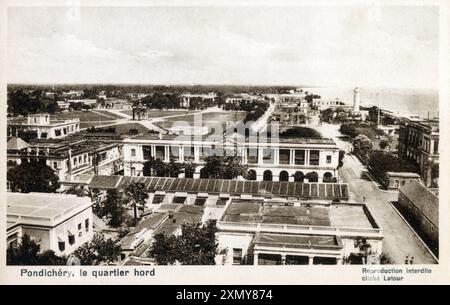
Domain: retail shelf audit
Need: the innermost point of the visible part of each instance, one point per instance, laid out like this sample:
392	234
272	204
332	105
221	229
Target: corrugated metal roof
234	187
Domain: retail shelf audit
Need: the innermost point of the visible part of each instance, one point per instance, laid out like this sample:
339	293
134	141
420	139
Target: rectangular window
237	256
160	152
133	152
71	239
299	157
147	152
436	146
57	132
174	153
61	246
133	171
189	153
79	226
328	159
157	199
179	200
86	225
252	155
55	165
200	201
313	157
285	156
267	156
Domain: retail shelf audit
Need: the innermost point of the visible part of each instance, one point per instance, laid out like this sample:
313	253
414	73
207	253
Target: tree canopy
33	176
300	132
381	162
27	253
223	167
98	251
195	246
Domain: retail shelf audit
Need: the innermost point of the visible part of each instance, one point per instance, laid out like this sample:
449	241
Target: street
399	239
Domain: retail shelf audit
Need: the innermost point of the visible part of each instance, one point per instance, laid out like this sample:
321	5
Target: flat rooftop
43	207
319	191
334	215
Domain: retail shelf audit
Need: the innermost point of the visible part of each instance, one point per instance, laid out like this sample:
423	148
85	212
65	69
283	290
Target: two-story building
69	157
419	144
42	127
306	159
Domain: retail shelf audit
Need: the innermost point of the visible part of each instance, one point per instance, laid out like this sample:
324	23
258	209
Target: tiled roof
16	144
325	191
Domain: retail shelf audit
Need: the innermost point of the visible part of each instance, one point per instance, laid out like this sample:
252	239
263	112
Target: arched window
328	177
284	176
299	177
267	176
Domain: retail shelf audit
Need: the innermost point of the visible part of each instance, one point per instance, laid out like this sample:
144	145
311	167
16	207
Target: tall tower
356	99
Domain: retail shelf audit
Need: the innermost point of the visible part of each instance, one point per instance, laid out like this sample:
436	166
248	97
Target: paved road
399	239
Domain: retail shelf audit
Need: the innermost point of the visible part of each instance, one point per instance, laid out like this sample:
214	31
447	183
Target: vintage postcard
215	142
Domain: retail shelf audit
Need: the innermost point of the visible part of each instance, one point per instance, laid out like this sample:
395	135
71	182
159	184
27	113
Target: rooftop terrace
334	219
43	208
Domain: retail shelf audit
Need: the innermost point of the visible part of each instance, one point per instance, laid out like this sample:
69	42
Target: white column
166	153
196	154
306	156
255	259
311	260
338	261
283	259
292	157
276	155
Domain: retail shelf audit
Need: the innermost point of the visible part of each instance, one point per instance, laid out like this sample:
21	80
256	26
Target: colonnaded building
287	159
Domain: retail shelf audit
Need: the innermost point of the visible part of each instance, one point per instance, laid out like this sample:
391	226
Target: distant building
55	222
419	144
356	99
42	126
420	206
187	97
70	157
394	180
272	233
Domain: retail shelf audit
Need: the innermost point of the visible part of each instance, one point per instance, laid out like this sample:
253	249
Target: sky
377	46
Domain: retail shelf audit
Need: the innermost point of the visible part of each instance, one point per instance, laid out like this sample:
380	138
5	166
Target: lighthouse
356	99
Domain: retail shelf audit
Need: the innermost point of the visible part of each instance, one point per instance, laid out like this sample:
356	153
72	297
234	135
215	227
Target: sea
417	102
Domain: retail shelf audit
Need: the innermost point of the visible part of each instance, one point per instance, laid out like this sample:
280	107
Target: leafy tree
98	251
384	143
327	115
224	167
33	176
195	246
27	253
349	130
164	249
189	170
381	162
135	194
113	208
300	132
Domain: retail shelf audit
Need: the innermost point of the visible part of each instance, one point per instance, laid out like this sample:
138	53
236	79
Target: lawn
154	113
210	117
84	116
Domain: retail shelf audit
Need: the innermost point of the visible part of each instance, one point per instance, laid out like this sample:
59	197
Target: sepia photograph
198	134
